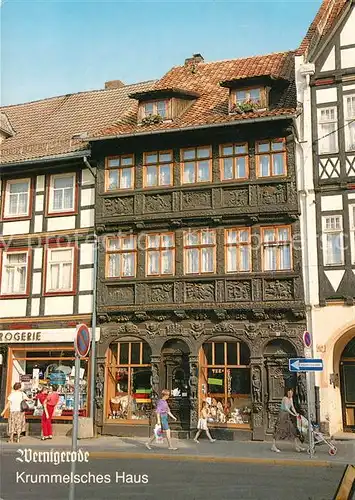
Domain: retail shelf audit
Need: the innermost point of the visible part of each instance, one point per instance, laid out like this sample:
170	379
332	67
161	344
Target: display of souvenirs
228	414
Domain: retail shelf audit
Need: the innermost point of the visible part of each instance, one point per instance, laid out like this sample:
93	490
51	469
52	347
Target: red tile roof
326	17
46	127
212	105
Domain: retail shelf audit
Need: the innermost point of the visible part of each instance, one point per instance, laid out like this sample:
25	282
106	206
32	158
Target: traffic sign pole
309	415
74	442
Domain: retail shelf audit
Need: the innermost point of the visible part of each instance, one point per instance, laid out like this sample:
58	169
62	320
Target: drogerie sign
20	336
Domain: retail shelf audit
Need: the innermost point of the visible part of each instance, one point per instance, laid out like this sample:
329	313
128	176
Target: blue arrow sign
305	365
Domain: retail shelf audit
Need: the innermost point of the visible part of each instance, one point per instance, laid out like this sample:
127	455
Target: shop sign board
82	341
40	336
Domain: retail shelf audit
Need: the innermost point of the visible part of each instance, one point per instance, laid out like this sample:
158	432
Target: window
349	114
37	367
62	193
199	251
17	198
160	254
121	257
119	172
196	165
129	382
14	275
158	169
237	245
332	227
327	126
234	161
155	108
225	381
271	158
254	95
352	231
276	243
60	270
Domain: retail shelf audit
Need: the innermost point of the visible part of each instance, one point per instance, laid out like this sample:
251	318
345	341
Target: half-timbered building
47	240
325	75
200	276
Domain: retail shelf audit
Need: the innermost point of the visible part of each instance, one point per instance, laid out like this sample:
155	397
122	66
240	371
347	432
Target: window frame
237	246
74	279
160	250
347	121
118	168
195	161
352	230
200	246
326	231
270	153
5	201
3	254
108	252
158	165
234	157
277	244
320	134
50	212
155	102
263	95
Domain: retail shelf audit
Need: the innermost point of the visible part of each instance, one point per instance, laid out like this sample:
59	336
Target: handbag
24	406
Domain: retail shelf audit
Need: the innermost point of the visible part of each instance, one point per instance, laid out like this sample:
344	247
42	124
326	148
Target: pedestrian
49	404
286	427
202	423
41	397
162	412
17	421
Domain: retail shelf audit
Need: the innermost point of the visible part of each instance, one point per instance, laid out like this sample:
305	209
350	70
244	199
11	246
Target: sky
59	47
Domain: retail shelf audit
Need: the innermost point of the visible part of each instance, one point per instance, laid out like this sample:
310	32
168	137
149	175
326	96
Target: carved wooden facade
258	308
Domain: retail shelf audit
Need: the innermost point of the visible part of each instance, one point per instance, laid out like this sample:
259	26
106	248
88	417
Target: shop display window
225	382
37	368
129	381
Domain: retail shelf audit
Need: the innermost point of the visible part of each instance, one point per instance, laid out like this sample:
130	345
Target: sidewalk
220	451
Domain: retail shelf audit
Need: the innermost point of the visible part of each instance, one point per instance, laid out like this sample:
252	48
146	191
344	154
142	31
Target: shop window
158	169
225	382
119	173
128	381
234	162
199	251
62	193
276	243
196	165
37	368
121	257
271	158
17	199
160	254
15	272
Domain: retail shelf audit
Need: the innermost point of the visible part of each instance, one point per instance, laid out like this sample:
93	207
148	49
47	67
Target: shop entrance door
175	373
277	378
347	374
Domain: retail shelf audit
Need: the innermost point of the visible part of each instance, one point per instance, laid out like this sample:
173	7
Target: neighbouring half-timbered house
325	74
200	277
47	239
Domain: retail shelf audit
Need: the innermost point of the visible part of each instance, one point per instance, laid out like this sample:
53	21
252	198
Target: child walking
202	424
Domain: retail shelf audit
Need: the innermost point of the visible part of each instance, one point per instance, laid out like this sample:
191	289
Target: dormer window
247	99
156	108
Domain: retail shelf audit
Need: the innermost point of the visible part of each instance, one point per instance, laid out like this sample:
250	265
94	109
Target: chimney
195	59
114	84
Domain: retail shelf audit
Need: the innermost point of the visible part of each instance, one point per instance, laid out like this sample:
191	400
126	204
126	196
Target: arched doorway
277	377
347	384
175	375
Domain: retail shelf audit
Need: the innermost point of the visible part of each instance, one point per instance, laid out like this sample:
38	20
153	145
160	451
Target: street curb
212	459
